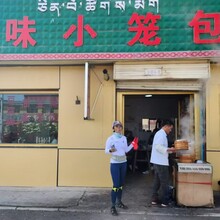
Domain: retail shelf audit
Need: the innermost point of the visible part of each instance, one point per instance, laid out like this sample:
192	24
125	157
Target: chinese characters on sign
146	30
80	28
15	27
202	24
146	27
93	5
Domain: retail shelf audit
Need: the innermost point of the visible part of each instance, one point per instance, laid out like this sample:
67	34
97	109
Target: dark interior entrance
142	117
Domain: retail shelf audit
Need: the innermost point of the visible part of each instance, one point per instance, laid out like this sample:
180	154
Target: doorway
140	112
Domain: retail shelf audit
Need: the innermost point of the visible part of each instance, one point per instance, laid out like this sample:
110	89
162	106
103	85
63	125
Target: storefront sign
194	168
153	72
109	29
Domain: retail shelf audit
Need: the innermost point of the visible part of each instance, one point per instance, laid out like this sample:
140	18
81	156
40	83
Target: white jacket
159	154
121	145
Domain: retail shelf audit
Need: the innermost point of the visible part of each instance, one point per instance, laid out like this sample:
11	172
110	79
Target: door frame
198	109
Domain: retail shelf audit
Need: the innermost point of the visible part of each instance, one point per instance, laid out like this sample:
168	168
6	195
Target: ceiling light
148	96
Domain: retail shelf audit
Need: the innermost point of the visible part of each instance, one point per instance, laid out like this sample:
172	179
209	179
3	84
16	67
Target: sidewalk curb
211	213
28	208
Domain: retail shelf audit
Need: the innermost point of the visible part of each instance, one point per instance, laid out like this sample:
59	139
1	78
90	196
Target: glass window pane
29	118
145	124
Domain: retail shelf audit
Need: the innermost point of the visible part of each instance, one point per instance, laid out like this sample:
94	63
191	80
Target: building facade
70	68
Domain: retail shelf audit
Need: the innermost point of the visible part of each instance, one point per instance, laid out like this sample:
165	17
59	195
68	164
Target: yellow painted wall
25	166
74	131
81	142
87	164
29	77
213	122
213	158
84	163
84	168
28	167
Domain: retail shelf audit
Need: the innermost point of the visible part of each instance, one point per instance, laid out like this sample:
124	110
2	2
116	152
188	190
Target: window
28	118
148	124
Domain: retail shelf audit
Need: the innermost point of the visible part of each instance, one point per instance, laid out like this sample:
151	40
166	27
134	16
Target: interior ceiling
157	106
156	96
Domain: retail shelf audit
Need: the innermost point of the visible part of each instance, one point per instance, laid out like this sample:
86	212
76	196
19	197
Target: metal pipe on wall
86	91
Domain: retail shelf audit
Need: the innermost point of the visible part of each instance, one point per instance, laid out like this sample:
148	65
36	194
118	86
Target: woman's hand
135	143
113	149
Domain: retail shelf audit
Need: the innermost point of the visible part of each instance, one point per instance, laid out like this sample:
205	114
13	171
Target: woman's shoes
122	206
114	211
119	205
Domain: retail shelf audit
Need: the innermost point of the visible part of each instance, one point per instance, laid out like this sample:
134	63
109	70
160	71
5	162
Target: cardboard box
194	185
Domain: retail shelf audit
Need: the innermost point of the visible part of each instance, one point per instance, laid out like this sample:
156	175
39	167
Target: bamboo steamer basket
186	158
181	144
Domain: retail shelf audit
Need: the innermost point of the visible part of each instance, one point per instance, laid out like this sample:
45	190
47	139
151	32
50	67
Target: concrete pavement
93	200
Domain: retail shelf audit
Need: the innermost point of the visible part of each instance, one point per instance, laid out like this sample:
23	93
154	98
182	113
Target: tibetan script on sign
94	5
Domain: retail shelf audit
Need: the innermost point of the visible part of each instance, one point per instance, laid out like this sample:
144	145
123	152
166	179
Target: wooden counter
193	183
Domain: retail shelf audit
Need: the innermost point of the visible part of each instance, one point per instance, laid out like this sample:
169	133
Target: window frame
30	92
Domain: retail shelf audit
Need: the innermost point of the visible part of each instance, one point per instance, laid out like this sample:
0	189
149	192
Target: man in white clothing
160	161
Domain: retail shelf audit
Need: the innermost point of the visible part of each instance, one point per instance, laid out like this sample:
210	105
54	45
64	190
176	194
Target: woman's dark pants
118	173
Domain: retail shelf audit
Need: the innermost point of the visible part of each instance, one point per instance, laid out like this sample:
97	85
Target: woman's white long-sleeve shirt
121	145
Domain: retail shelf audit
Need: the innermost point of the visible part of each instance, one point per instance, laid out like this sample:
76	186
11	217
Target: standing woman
117	146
